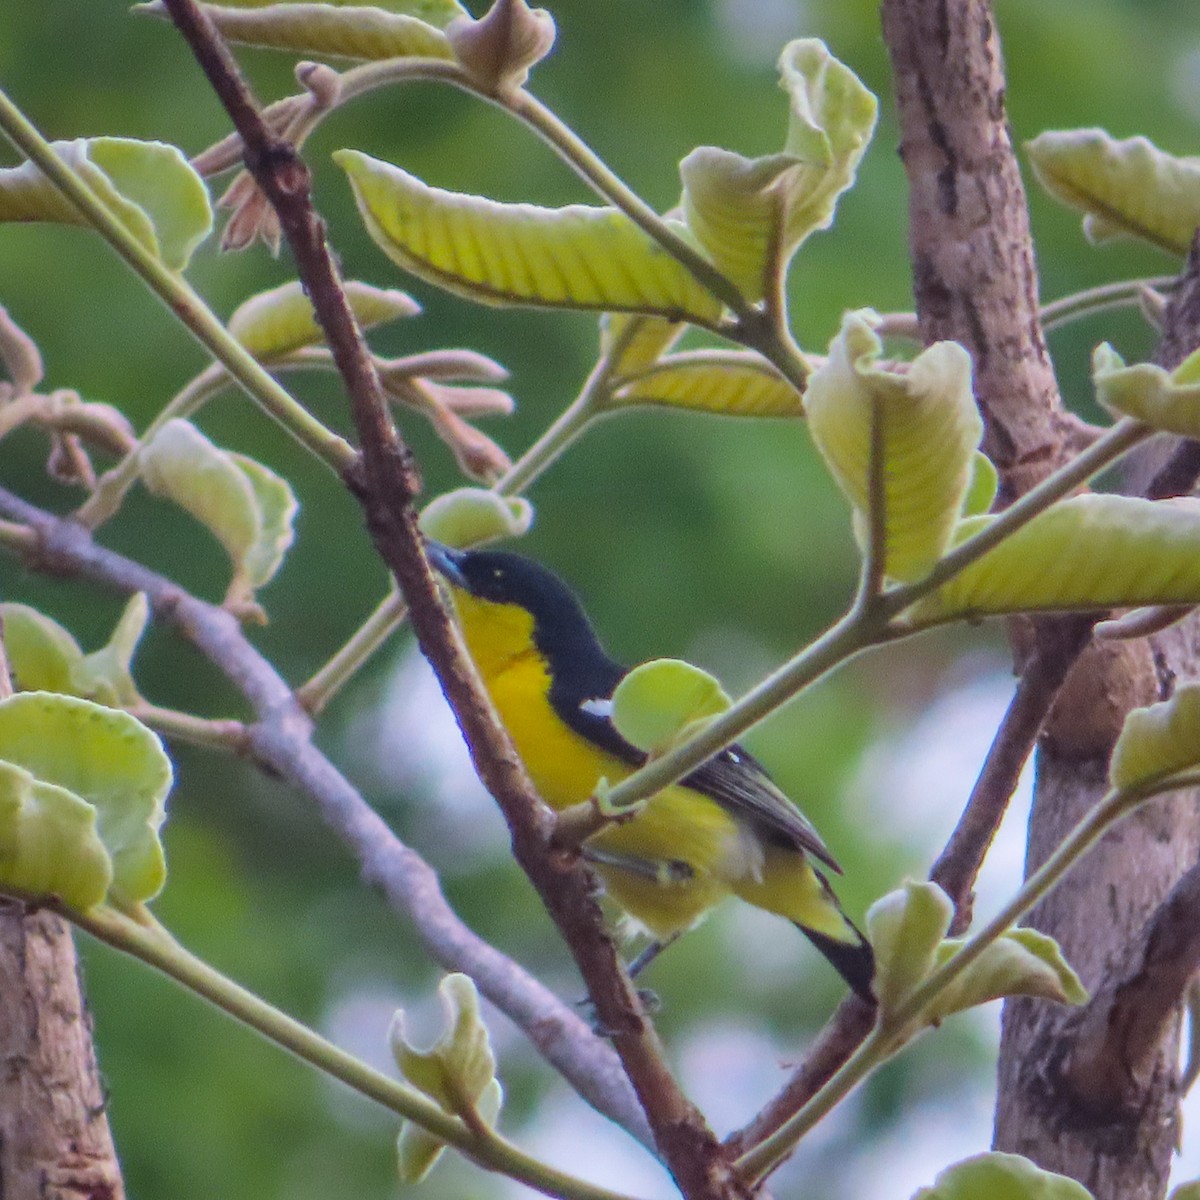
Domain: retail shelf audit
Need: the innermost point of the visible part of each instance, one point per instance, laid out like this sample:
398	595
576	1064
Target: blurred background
714	540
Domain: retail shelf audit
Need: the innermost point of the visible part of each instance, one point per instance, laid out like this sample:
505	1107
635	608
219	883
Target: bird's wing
739	783
734	779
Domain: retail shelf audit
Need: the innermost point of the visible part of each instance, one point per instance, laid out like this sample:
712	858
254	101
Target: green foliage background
691	536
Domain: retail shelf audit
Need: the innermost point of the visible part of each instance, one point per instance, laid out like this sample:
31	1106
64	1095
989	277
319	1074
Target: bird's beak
447	562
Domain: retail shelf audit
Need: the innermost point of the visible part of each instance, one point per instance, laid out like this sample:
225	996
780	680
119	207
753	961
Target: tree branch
386	486
280	742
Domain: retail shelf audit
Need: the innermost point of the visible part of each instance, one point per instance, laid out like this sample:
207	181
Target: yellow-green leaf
1088	552
42	655
984	484
732	383
458	1071
662	702
1124	188
905	928
632	341
1021	962
1158	741
1167	400
996	1176
148	186
930	428
48	841
106	674
274	324
109	762
469	517
751	214
247	507
327	30
573	257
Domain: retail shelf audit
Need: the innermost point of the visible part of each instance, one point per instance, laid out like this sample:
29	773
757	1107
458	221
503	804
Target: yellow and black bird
724	829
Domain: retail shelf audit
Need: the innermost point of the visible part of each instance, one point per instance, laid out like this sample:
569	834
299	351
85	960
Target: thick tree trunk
975	282
55	1142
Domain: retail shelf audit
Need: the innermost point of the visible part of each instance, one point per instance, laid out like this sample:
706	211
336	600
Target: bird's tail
854	961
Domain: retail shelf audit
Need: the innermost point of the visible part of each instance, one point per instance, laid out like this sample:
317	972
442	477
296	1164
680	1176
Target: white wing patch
597	707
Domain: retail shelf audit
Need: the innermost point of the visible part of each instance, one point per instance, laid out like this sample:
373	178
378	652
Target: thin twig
386	486
280	742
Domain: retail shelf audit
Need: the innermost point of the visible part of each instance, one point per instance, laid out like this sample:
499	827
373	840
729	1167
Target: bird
724	829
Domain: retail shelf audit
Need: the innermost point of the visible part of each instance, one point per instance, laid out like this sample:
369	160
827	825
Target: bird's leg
649	954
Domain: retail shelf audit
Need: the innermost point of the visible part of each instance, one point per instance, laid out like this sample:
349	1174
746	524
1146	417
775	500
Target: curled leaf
333	30
1087	552
469	517
730	383
750	215
1166	400
573	257
1158	741
1021	962
1123	188
929	428
905	929
276	323
75	771
252	217
247	507
996	1176
458	1071
42	655
663	702
148	186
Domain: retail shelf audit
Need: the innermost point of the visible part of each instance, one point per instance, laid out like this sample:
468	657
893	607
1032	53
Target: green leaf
662	702
751	214
985	482
1124	188
1158	741
106	675
247	507
148	186
930	428
331	29
42	655
458	1071
281	321
728	382
632	341
1167	400
573	257
48	841
1186	1191
417	1150
1087	552
905	928
996	1176
108	762
1021	962
468	517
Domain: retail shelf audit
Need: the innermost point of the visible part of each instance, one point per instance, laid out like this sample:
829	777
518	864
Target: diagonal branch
386	484
280	743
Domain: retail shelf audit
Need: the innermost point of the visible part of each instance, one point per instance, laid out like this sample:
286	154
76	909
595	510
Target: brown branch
280	742
1115	1043
386	487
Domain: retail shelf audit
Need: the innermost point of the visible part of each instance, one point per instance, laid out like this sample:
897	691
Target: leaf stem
186	727
854	633
1105	450
177	295
1100	299
897	1027
148	941
342	667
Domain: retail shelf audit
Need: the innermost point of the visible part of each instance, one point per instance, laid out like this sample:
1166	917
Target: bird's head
508	605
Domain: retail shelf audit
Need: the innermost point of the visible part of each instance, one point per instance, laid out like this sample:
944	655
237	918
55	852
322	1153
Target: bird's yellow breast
678	825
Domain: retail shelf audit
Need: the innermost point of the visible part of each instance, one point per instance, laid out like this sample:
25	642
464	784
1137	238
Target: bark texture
974	281
55	1142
